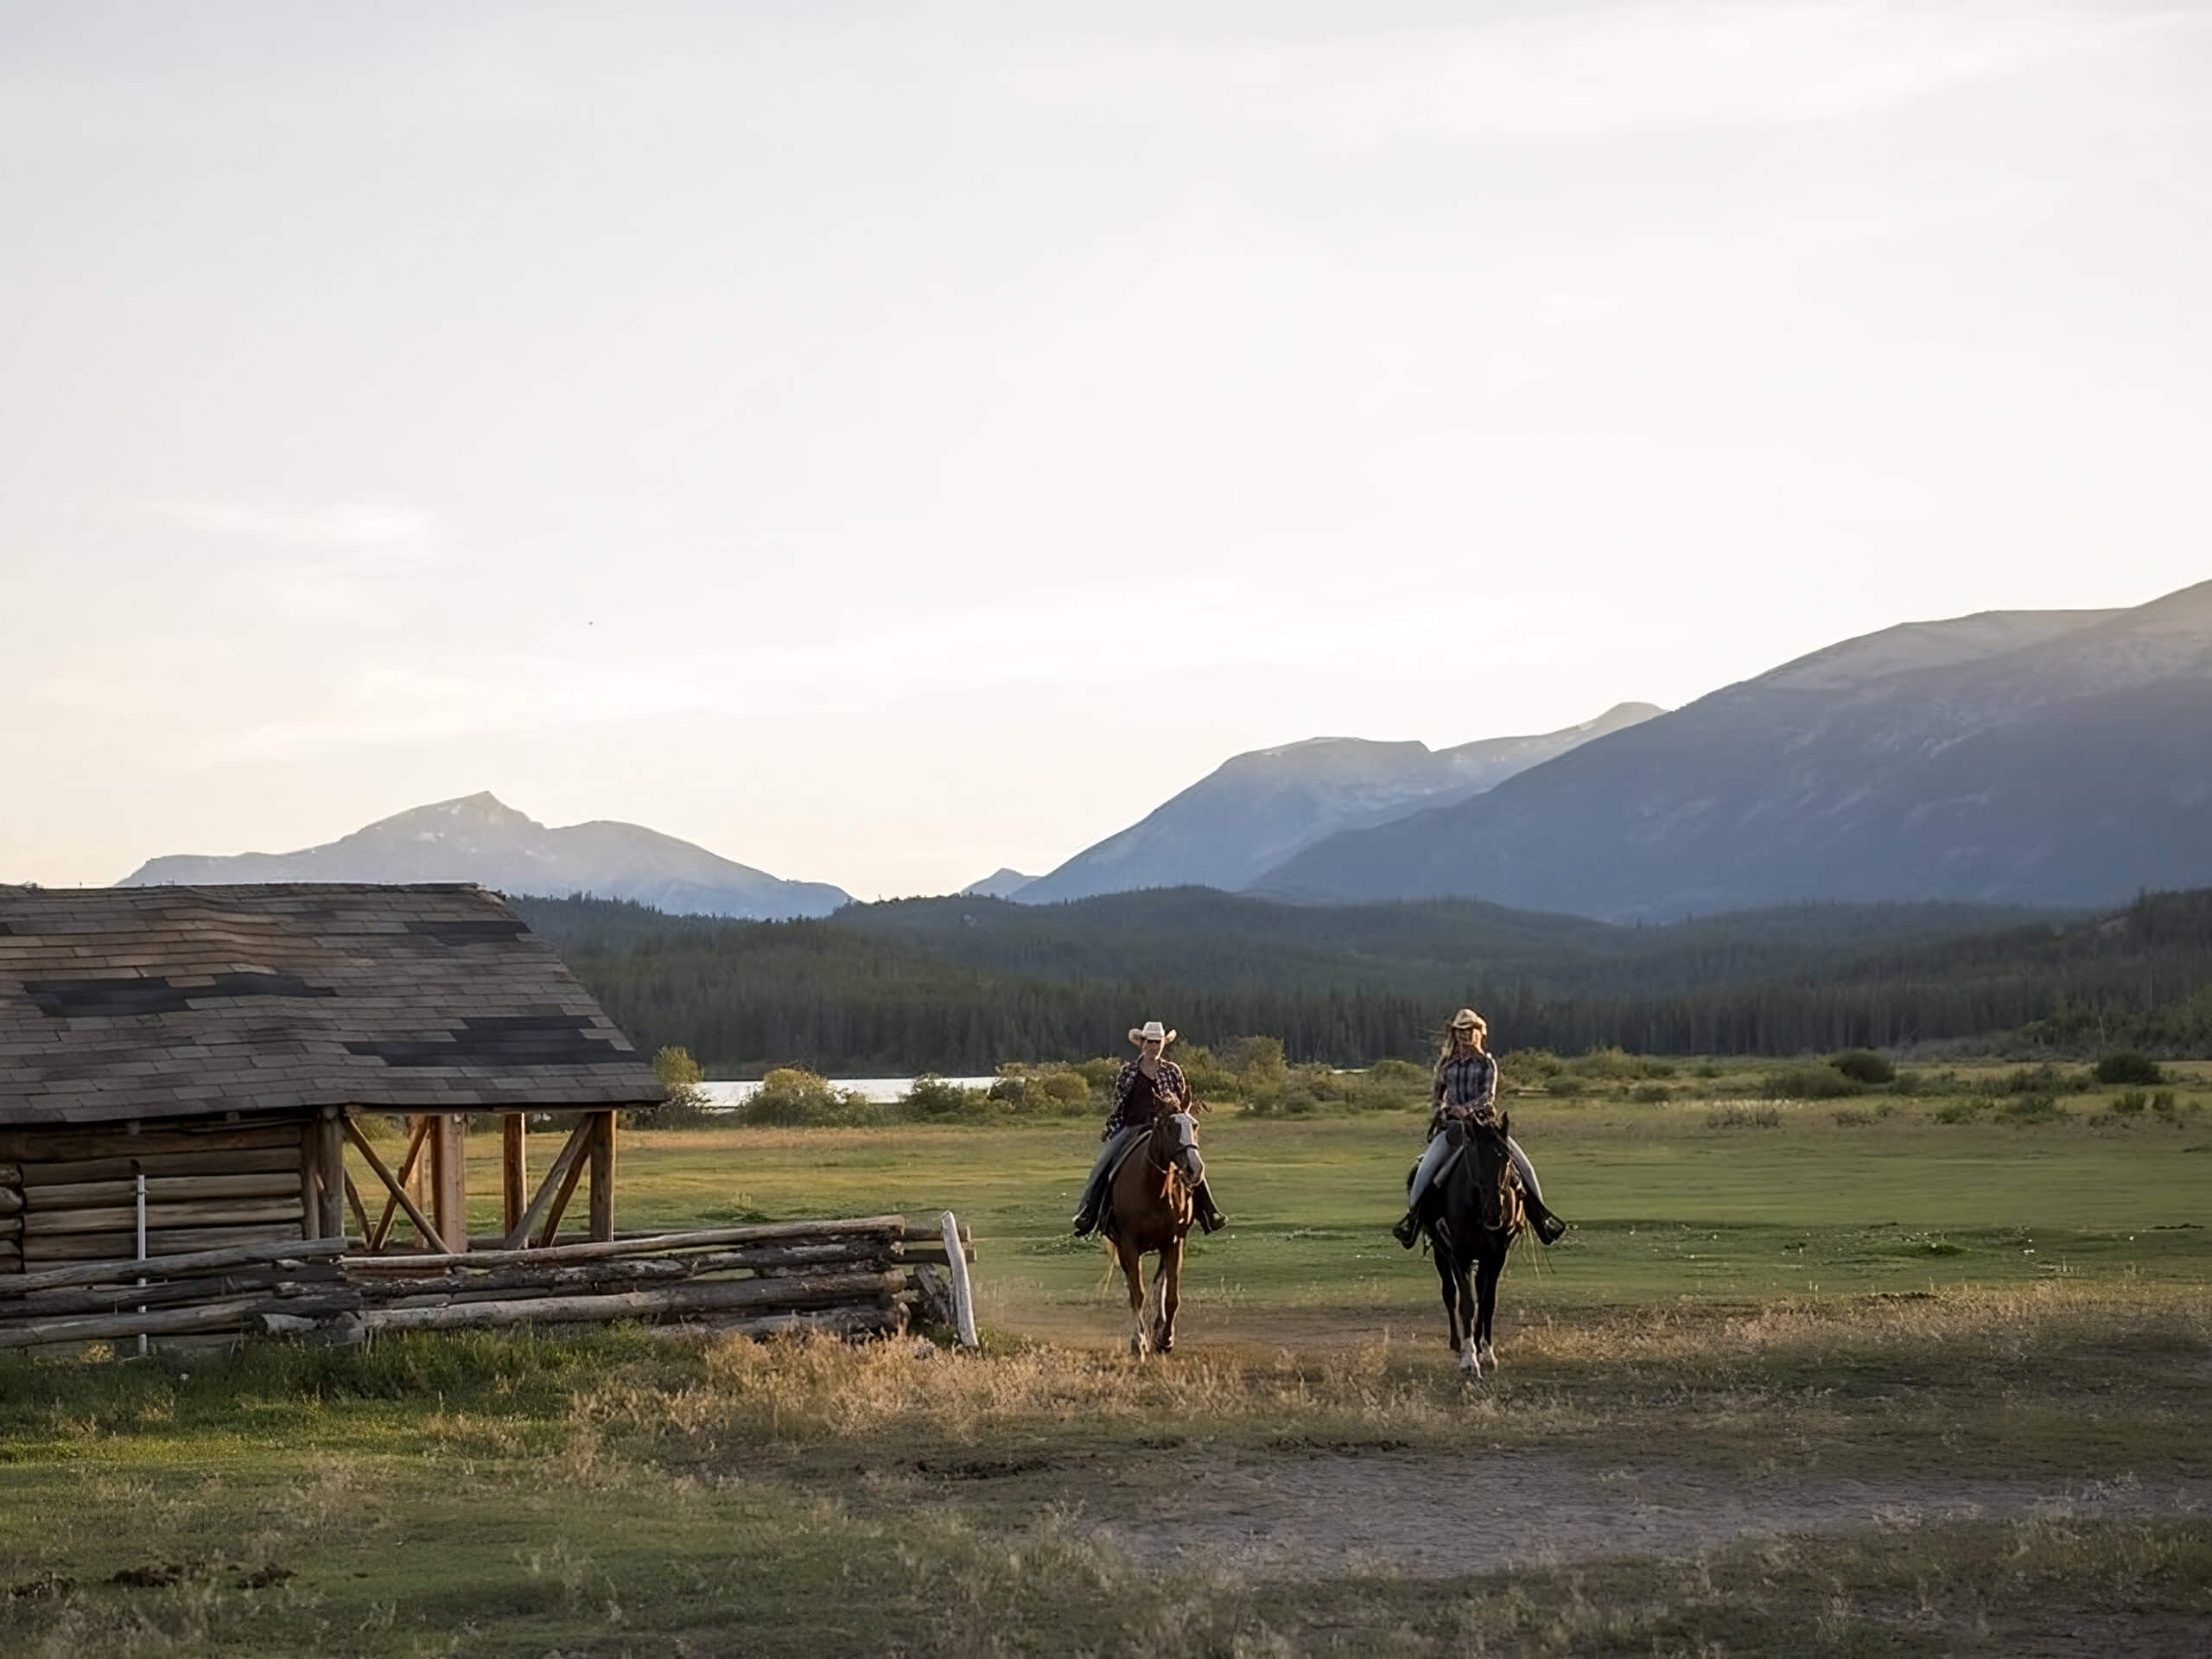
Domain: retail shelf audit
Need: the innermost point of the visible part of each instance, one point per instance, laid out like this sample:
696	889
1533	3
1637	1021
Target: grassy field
1885	1385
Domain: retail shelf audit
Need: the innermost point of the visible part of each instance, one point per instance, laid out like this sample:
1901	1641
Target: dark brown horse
1151	1212
1472	1213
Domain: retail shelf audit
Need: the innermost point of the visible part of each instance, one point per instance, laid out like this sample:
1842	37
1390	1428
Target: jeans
1440	1148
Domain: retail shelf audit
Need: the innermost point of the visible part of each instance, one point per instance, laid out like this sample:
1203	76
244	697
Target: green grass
1897	1305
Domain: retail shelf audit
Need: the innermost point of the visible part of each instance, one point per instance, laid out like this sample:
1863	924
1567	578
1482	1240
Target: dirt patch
1429	1517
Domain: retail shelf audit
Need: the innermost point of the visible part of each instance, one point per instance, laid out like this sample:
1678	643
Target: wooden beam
514	1169
588	1137
602	1178
308	1175
109	1273
449	1177
759	1232
561	1180
430	1235
780	1294
330	1174
353	1199
419	1131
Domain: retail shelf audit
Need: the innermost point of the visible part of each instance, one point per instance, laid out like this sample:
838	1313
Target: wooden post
602	1178
963	1304
310	1165
416	1176
450	1179
514	1168
330	1174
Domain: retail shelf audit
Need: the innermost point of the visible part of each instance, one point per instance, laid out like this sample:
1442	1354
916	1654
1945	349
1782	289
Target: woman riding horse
1143	1085
1465	1085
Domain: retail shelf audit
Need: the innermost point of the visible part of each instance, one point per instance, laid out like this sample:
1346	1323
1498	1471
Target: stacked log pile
850	1277
202	1291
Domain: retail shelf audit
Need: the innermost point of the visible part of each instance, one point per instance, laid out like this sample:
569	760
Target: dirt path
1327	1513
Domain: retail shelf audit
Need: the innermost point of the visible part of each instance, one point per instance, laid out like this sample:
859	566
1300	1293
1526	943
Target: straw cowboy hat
1468	1020
1152	1032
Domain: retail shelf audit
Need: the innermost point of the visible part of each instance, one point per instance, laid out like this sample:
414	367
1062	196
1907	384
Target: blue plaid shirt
1467	1084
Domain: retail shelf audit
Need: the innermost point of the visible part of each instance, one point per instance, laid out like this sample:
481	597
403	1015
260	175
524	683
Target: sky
886	443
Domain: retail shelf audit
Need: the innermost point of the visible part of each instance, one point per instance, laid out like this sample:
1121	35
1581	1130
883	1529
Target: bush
1961	1111
932	1097
2162	1102
1044	1091
2030	1109
1742	1117
1400	1073
788	1098
1863	1066
1255	1061
2129	1103
686	1106
1809	1082
1650	1094
2130	1069
2034	1080
1606	1066
1534	1062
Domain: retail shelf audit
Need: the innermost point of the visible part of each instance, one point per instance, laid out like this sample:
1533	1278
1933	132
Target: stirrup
1549	1227
1408	1230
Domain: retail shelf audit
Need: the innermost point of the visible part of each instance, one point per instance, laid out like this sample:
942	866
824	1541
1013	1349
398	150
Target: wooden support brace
430	1235
353	1199
449	1177
553	1196
381	1230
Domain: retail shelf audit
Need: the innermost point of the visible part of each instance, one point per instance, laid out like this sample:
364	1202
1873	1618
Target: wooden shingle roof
130	1003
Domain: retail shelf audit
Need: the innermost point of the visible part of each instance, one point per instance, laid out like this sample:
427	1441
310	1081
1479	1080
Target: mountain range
481	839
1255	810
2059	758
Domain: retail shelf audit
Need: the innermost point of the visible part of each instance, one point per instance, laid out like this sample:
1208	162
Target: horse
1472	1213
1150	1213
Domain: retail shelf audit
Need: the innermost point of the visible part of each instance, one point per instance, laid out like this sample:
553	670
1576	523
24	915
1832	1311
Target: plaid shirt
1466	1083
1169	1085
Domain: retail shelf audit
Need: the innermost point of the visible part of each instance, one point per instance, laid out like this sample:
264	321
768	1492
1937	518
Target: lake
728	1096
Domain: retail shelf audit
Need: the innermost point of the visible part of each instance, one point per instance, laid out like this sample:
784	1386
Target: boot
1407	1232
1549	1227
1209	1218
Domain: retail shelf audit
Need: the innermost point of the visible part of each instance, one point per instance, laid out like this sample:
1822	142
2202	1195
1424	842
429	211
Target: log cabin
231	1045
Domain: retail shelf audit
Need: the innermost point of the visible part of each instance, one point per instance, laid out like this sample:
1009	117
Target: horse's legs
1451	1290
1133	1270
1471	1358
1486	1274
1167	1285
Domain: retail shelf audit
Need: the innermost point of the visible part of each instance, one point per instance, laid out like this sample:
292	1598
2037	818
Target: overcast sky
885	443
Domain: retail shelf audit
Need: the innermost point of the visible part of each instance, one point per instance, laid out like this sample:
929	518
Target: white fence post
963	1305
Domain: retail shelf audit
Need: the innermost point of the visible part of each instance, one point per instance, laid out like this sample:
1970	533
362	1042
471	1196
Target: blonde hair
1478	1035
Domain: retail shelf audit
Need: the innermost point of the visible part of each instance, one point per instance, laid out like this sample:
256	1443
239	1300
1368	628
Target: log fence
867	1275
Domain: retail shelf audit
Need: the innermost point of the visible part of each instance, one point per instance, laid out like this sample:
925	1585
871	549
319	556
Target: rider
1142	1086
1465	1085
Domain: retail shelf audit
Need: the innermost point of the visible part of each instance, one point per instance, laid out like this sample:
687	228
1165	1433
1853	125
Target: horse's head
1493	1169
1175	1143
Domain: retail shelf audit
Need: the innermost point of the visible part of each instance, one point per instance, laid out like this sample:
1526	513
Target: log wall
69	1196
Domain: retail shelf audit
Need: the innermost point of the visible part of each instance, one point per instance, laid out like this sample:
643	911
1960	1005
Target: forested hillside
961	986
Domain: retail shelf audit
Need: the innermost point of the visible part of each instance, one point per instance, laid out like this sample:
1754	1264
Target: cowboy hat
1467	1019
1152	1032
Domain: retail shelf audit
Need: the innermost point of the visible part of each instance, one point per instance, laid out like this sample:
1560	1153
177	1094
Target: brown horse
1472	1213
1151	1212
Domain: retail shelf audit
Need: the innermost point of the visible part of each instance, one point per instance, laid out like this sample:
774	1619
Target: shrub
2128	1104
1742	1117
1809	1082
2130	1069
1256	1061
2162	1102
1910	1083
1961	1111
789	1097
1708	1071
1606	1066
2030	1109
1045	1091
2033	1080
1650	1094
1099	1073
686	1106
1400	1073
1863	1066
1532	1062
932	1097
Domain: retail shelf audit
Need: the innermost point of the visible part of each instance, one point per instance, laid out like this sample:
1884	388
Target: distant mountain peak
480	838
1002	883
1259	808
